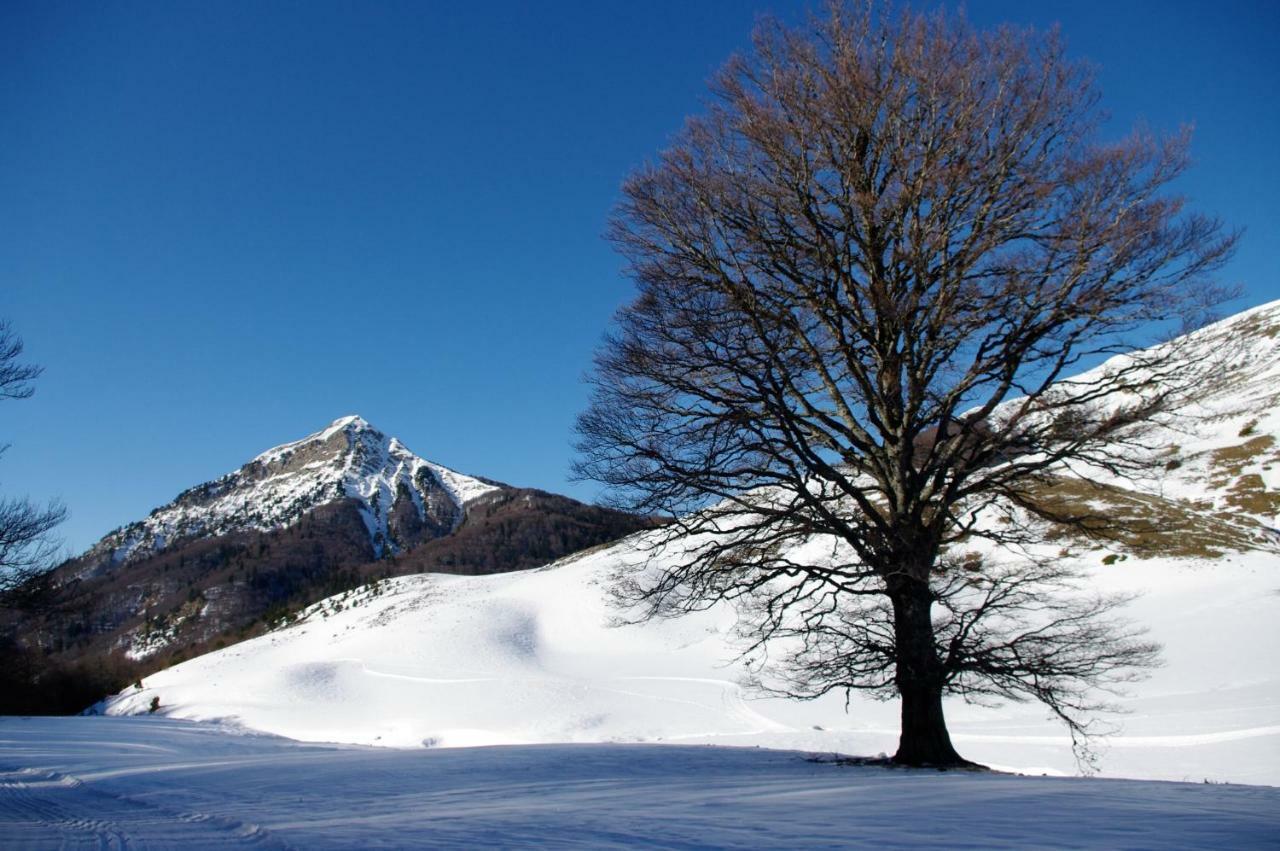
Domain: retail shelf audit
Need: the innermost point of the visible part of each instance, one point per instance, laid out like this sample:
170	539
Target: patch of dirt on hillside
1139	523
1246	492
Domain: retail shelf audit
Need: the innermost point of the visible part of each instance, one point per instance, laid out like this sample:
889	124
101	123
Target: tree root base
890	762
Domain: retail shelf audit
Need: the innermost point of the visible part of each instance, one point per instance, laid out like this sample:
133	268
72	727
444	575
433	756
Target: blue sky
223	225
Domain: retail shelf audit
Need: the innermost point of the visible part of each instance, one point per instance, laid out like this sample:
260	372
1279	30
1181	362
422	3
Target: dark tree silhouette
864	275
27	550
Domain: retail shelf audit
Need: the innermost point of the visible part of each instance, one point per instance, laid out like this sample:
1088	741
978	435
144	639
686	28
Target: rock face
304	520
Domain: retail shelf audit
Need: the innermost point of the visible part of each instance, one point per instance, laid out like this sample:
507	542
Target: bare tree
15	378
27	549
864	275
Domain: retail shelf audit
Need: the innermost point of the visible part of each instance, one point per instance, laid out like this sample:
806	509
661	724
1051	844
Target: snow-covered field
154	782
531	657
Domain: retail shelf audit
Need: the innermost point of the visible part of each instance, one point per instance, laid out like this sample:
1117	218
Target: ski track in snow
44	808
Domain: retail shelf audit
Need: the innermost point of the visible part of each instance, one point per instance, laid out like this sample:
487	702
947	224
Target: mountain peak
359	422
400	496
351	425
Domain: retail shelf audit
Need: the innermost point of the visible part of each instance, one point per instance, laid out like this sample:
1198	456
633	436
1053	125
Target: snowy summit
397	493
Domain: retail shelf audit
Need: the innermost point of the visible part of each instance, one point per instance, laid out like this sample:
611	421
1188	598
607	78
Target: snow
463	489
151	641
154	782
1242	404
533	657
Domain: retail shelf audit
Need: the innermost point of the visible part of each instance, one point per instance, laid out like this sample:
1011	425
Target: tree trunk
924	739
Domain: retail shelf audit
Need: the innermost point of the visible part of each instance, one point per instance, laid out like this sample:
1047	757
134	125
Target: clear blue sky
224	224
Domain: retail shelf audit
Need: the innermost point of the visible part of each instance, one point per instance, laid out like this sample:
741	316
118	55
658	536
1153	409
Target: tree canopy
866	274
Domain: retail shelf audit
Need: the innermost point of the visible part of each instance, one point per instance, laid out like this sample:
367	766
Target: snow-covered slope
1219	484
349	459
435	660
534	657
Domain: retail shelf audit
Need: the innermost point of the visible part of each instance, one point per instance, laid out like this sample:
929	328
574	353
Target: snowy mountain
537	657
402	498
299	522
